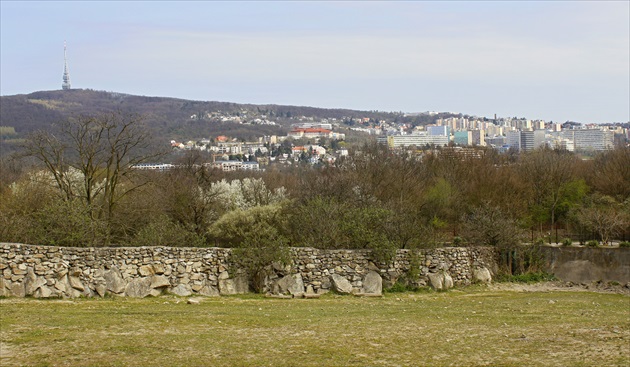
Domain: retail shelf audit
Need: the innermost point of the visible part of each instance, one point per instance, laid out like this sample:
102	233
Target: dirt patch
554	286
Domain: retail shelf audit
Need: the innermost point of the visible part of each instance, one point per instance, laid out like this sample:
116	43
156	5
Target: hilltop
169	117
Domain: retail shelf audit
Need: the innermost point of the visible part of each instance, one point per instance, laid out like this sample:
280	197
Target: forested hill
170	118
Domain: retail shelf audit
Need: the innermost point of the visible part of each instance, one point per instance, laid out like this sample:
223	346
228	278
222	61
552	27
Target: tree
92	158
604	216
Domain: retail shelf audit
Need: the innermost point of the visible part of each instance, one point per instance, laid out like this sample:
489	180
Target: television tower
66	73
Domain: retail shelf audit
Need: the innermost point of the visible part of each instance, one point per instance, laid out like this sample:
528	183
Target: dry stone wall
48	271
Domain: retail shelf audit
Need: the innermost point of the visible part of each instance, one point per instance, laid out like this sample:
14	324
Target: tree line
82	190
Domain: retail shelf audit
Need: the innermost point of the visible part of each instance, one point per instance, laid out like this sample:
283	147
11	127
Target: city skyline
541	60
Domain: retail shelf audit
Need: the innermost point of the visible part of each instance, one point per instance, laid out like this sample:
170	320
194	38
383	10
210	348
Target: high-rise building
531	140
590	139
66	74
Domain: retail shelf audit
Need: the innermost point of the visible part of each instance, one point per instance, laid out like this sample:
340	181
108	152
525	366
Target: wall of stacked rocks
48	271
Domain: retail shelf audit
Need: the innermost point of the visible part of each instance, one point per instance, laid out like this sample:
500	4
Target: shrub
592	243
624	244
255	234
458	241
567	242
164	232
539	241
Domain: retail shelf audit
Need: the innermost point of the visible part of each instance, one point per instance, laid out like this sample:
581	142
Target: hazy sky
557	60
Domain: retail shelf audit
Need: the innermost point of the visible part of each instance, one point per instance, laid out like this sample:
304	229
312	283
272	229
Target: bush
567	242
539	241
624	244
164	232
592	243
458	241
256	236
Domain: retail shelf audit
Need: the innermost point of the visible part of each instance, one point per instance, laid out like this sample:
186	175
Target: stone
436	280
340	284
236	285
372	283
156	292
159	281
146	270
192	301
32	282
182	290
291	284
76	283
448	281
158	269
139	288
17	290
482	275
114	281
43	292
310	290
100	289
209	291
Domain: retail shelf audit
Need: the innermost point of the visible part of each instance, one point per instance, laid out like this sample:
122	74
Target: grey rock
340	284
146	270
482	275
158	269
436	280
448	281
100	289
209	291
114	282
182	290
159	281
140	288
17	290
156	292
291	284
372	283
76	283
43	292
32	282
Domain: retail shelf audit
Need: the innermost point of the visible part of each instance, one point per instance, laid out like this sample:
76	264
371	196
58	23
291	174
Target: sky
551	60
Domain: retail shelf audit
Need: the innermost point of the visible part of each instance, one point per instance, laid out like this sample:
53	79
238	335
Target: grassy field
470	327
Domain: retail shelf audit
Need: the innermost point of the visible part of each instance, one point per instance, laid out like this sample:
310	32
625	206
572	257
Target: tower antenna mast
66	74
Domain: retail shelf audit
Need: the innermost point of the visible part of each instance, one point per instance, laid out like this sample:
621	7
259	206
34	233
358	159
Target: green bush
624	244
592	243
567	242
539	241
458	241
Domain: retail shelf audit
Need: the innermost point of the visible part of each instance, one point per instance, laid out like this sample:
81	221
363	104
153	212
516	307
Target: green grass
470	327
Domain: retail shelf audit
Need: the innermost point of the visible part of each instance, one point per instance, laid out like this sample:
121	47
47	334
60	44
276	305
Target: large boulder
291	284
32	282
209	291
76	283
440	281
159	281
114	282
236	285
140	288
340	284
482	275
182	290
372	283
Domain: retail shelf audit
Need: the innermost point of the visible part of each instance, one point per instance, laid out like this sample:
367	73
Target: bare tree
92	158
